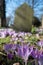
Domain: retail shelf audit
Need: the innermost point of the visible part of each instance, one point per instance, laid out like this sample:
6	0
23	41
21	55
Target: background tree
2	11
36	21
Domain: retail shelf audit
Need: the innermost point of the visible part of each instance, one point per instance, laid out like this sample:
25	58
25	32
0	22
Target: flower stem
25	62
36	62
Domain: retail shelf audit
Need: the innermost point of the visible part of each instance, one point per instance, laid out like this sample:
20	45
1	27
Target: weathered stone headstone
23	18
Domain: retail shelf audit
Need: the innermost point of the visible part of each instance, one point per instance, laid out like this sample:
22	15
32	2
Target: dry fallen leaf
16	64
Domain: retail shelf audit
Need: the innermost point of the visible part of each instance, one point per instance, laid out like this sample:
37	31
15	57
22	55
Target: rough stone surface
23	18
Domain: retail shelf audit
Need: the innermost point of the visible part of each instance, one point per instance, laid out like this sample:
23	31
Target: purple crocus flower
24	51
40	43
40	61
9	31
14	47
35	53
8	47
14	35
21	34
2	35
10	55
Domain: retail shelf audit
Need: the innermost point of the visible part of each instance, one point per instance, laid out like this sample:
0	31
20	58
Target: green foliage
11	61
33	39
29	63
5	40
33	30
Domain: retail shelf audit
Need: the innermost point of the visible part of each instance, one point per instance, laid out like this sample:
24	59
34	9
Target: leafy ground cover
20	47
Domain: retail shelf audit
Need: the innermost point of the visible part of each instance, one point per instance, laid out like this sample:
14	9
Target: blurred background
12	5
8	8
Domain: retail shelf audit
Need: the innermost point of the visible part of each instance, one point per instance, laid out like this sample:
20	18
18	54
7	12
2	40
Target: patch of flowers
23	47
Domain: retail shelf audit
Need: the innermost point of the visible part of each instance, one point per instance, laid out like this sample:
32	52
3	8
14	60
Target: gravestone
23	18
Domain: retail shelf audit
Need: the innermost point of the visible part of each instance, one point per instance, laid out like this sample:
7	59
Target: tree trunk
2	11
